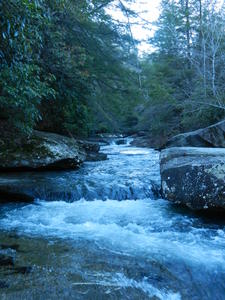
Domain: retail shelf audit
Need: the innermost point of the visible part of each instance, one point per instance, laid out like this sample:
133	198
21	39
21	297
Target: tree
22	84
64	67
184	75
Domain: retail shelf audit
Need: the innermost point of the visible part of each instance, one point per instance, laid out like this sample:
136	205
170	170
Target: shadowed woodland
67	66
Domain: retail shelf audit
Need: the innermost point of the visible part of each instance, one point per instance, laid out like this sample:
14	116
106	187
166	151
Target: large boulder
92	150
212	136
145	139
194	177
42	151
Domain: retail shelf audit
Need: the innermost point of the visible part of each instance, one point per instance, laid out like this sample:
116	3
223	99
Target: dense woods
112	149
66	66
184	77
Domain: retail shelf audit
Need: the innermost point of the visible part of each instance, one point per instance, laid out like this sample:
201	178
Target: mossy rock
41	151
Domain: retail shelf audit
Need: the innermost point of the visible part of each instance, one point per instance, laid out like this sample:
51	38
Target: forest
112	149
67	66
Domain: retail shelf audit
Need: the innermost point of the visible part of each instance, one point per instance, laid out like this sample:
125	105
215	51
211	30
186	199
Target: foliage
22	83
64	67
184	76
21	92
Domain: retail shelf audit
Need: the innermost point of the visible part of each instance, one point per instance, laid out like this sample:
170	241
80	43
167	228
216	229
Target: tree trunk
204	65
188	35
213	74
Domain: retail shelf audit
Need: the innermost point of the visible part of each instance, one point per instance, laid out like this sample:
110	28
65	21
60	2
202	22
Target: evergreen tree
183	75
64	67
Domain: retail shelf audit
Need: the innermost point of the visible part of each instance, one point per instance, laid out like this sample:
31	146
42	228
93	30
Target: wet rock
147	140
89	146
23	270
13	246
194	177
3	284
58	153
6	261
120	142
106	139
212	136
110	135
156	190
92	156
92	150
99	140
7	194
42	151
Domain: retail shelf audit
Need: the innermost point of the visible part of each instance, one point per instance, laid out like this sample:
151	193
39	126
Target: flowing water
109	238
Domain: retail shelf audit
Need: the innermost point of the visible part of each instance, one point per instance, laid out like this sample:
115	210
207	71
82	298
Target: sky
148	10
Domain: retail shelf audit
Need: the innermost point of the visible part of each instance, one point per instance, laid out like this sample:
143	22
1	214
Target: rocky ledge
212	136
92	150
47	151
42	151
146	139
194	177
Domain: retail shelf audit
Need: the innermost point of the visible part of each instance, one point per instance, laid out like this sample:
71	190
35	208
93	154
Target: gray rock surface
212	136
92	150
49	153
194	177
42	151
146	139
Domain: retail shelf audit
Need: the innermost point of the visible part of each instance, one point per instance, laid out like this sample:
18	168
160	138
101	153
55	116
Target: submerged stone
8	194
120	142
3	285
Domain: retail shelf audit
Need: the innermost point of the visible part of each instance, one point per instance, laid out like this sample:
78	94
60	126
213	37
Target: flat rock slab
194	177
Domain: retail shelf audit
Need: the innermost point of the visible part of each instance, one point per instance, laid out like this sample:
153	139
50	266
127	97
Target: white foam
135	151
119	281
143	285
143	228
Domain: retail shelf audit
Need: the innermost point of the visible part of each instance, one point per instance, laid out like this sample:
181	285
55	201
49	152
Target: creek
113	237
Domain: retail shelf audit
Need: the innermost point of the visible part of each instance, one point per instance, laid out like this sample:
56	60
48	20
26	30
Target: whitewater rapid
186	252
